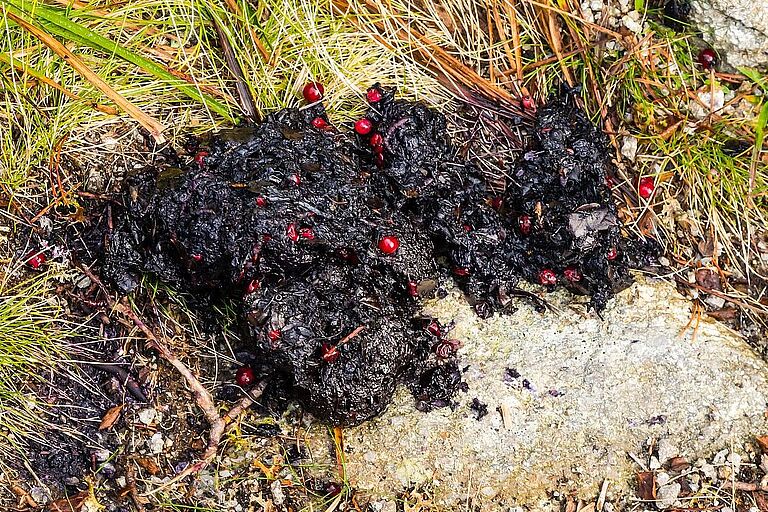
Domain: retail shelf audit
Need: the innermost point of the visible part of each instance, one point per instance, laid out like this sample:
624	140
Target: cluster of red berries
445	347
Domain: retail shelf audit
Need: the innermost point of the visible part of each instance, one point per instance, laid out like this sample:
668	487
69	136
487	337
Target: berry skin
35	259
274	334
460	271
363	126
707	58
413	289
609	181
295	179
389	244
307	233
373	95
612	254
313	92
254	285
330	353
200	157
572	274
320	123
261	202
245	376
197	258
524	224
377	140
547	277
291	232
645	187
433	328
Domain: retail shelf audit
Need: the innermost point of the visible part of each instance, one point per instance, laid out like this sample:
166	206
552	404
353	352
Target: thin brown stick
351	335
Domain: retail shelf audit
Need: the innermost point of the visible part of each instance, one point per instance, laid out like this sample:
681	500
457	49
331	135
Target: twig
351	335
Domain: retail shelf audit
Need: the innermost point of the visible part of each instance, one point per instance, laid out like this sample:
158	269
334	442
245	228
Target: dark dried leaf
762	441
708	278
678	464
69	504
110	417
149	465
646	485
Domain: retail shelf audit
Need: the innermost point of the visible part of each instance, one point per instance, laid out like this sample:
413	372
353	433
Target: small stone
734	459
488	492
629	148
667	495
101	455
720	457
278	496
147	416
156	443
709	471
667	450
388	506
654	463
662	478
40	495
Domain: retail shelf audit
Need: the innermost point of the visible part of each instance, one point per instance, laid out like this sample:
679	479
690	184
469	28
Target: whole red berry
413	289
389	244
572	274
245	376
295	179
313	92
35	259
373	95
363	126
612	254
467	228
291	232
609	181
460	271
197	258
320	123
707	58
330	353
261	202
547	277
200	157
645	187
274	334
254	285
433	328
528	103
307	233
376	140
524	224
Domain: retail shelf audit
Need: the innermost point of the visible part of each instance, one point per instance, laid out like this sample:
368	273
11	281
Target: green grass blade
63	27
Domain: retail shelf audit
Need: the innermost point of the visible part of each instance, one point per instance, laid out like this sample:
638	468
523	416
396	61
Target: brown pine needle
152	125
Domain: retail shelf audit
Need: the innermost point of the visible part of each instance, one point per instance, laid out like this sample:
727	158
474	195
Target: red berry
389	244
313	92
645	187
460	271
524	224
274	334
291	232
373	95
707	58
319	123
572	274
330	353
547	277
379	150
377	140
433	328
254	285
197	258
609	181
200	158
261	202
413	289
467	228
612	254
35	259
295	179
528	103
266	237
363	126
245	376
307	233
